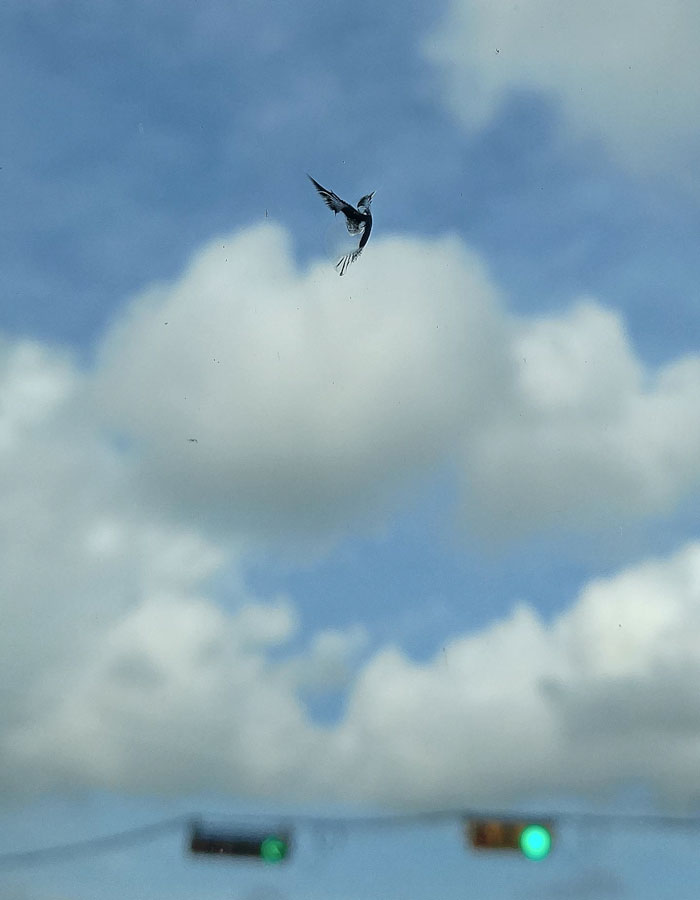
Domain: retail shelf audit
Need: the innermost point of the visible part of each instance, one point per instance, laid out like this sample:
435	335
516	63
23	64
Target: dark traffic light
532	839
266	846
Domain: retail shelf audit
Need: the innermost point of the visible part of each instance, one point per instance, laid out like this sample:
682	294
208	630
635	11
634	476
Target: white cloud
121	669
627	71
603	695
330	662
117	668
172	692
168	698
311	398
315	401
589	438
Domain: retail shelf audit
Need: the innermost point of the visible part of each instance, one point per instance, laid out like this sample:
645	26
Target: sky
277	543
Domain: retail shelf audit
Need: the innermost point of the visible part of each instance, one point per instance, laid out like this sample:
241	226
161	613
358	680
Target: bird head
365	202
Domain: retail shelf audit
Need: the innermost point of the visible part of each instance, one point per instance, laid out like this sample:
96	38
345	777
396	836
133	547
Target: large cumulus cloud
279	402
135	657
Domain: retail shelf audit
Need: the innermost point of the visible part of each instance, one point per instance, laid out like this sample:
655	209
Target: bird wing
334	202
366	232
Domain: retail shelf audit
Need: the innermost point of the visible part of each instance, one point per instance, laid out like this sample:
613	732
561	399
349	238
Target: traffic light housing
532	839
270	847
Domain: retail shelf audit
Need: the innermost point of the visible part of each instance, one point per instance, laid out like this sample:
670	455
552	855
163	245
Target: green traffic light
535	842
273	849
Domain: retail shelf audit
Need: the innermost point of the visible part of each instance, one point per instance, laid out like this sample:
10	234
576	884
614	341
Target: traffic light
266	846
532	839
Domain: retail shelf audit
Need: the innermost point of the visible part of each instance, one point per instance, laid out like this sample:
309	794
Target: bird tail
345	261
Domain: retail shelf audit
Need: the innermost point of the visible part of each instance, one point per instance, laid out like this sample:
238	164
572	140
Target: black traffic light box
267	846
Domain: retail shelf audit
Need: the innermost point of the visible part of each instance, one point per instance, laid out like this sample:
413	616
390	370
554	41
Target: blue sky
423	536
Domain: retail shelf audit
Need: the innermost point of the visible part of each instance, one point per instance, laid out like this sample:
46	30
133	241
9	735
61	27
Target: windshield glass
349	450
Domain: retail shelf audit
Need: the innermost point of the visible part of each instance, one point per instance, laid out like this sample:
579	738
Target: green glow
273	849
535	841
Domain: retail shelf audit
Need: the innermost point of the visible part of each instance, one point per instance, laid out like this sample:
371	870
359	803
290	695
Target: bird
358	221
